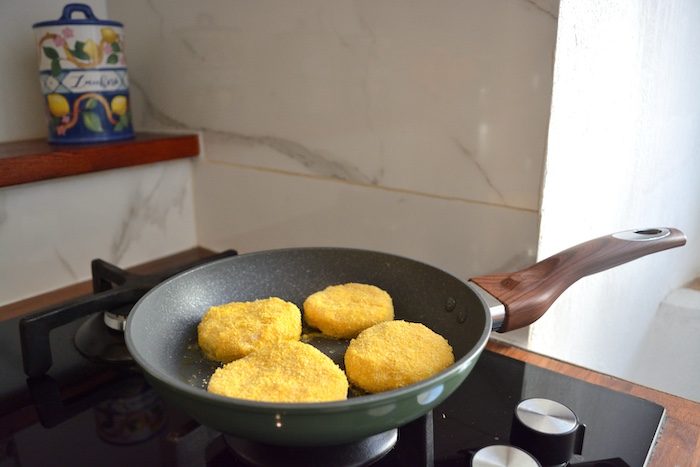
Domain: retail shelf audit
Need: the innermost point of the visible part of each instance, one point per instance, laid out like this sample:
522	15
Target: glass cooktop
118	420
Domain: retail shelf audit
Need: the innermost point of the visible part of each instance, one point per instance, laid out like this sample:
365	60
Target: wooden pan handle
527	294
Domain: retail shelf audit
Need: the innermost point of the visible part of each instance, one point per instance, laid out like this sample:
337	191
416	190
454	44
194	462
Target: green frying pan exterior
161	336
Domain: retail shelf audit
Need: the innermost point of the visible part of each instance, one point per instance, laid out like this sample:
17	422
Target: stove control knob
500	455
548	430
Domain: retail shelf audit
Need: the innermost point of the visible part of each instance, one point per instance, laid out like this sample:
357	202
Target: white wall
623	152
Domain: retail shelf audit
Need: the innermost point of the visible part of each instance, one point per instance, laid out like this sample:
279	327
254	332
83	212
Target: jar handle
71	8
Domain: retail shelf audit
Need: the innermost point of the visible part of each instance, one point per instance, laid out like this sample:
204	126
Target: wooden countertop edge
679	443
30	305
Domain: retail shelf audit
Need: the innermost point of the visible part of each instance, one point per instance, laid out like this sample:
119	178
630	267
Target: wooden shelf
35	160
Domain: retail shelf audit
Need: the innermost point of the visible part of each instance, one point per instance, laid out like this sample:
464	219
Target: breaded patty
289	371
395	354
345	310
231	331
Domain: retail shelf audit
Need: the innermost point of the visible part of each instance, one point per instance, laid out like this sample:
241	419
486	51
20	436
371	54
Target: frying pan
161	331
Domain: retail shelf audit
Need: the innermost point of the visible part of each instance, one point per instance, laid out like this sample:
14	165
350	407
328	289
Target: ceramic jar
83	77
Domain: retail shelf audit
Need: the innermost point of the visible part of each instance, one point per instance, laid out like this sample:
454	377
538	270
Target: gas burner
410	445
101	337
355	454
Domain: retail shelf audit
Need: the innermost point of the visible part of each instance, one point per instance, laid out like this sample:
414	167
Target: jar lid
67	19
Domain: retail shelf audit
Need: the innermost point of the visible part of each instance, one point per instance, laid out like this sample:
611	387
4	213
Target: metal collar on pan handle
496	308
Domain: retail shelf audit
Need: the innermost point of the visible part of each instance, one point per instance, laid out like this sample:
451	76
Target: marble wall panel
50	231
273	210
446	98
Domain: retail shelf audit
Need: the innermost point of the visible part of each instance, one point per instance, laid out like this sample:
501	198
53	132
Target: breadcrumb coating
287	371
231	331
343	311
395	354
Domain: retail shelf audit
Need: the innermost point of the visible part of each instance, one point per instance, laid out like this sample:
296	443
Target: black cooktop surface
120	421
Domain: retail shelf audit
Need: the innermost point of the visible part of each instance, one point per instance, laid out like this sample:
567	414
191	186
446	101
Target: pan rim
351	403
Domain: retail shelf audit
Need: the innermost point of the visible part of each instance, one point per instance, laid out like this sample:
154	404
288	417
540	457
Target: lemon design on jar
119	105
85	110
109	35
58	105
92	51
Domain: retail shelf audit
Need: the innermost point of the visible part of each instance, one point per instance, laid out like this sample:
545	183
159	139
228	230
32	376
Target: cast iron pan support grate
113	288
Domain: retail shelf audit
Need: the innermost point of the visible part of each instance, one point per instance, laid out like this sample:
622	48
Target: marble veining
355	91
470	155
53	229
316	163
550	7
145	209
149	113
65	264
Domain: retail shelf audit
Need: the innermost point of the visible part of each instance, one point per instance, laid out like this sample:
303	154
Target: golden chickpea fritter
289	371
231	331
343	311
258	342
394	354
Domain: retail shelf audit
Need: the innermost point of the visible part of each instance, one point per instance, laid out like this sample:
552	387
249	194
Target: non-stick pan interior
165	327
